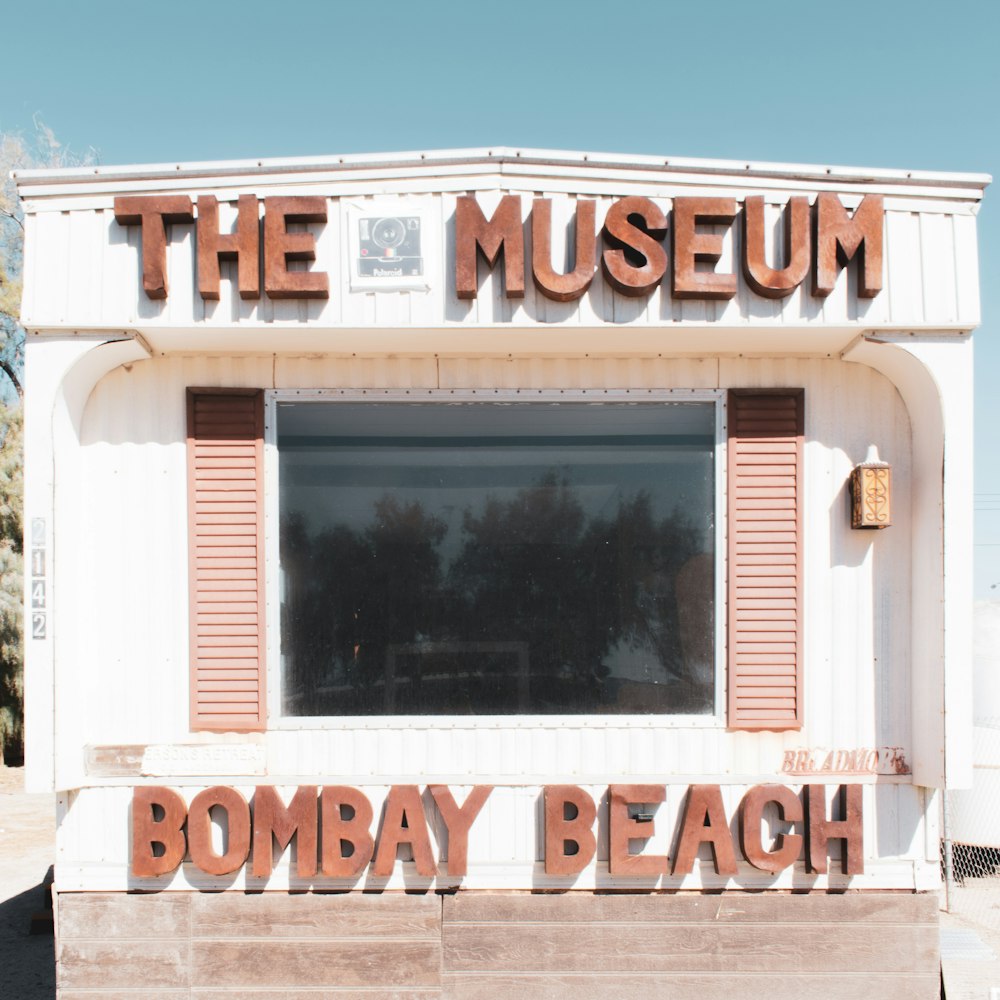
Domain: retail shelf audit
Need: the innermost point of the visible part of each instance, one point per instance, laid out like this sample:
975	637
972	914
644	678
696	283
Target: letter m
503	233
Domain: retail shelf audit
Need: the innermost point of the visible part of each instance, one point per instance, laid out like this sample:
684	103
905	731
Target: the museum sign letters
642	245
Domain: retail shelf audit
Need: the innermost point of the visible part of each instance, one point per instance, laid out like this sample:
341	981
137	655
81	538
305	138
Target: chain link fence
970	846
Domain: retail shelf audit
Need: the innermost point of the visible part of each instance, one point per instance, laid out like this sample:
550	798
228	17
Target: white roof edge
497	155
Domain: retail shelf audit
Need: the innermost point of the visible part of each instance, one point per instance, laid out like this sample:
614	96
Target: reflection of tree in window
537	609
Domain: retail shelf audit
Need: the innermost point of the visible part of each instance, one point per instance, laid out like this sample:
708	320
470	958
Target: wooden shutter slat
226	500
765	445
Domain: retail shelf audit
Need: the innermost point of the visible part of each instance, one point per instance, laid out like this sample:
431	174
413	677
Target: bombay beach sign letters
643	246
166	829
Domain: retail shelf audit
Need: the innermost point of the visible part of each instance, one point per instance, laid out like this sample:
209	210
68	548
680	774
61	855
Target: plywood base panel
467	946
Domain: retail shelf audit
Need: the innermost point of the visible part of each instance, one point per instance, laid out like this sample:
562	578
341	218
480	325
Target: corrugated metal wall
505	845
92	273
123	552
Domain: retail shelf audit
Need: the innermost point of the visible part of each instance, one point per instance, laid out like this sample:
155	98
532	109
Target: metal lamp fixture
871	492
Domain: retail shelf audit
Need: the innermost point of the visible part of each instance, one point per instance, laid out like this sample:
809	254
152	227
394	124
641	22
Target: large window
496	558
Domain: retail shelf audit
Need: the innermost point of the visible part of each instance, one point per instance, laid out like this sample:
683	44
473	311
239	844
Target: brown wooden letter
404	822
840	237
623	234
147	830
622	828
458	820
850	829
768	281
789	845
242	246
563	287
503	232
705	821
339	831
272	818
281	246
690	247
200	830
569	842
154	213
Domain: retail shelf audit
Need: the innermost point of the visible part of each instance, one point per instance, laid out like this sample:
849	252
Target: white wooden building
193	549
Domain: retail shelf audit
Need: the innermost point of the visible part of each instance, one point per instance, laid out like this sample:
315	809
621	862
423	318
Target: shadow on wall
27	960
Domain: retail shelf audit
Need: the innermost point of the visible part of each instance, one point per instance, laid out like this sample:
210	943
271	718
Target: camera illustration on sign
389	247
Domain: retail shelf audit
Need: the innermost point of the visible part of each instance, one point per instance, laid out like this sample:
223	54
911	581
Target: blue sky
883	83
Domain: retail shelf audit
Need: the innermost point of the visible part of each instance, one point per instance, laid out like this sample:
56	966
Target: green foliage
11	583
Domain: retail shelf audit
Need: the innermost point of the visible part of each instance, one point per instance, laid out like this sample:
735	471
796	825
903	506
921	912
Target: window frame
276	720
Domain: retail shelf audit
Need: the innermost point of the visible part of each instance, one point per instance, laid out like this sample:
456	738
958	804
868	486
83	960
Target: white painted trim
498	158
907	875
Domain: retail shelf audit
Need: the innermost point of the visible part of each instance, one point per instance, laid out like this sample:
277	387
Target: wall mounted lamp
871	492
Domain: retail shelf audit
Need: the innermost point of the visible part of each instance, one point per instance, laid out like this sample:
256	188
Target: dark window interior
497	558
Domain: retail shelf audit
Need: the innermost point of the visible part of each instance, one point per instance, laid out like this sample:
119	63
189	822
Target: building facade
498	572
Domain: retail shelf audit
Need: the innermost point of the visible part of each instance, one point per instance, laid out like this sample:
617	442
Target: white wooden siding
92	272
505	847
122	551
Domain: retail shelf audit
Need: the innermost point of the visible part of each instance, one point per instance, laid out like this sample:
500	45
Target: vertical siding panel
52	246
755	307
626	308
241	310
366	751
453	309
730	310
463	751
488	303
937	258
524	310
826	536
904	276
689	310
966	270
593	306
837	307
507	764
390	752
414	749
183	305
438	751
226	309
488	758
391	308
329	241
341	755
427	307
663	756
563	244
499	837
85	268
641	750
593	750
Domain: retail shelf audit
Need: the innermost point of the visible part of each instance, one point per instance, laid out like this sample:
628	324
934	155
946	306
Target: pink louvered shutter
764	458
226	518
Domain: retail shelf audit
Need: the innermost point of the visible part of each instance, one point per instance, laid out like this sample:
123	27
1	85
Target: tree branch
9	371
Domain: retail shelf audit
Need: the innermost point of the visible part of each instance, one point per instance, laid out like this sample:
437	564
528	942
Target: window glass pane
491	559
